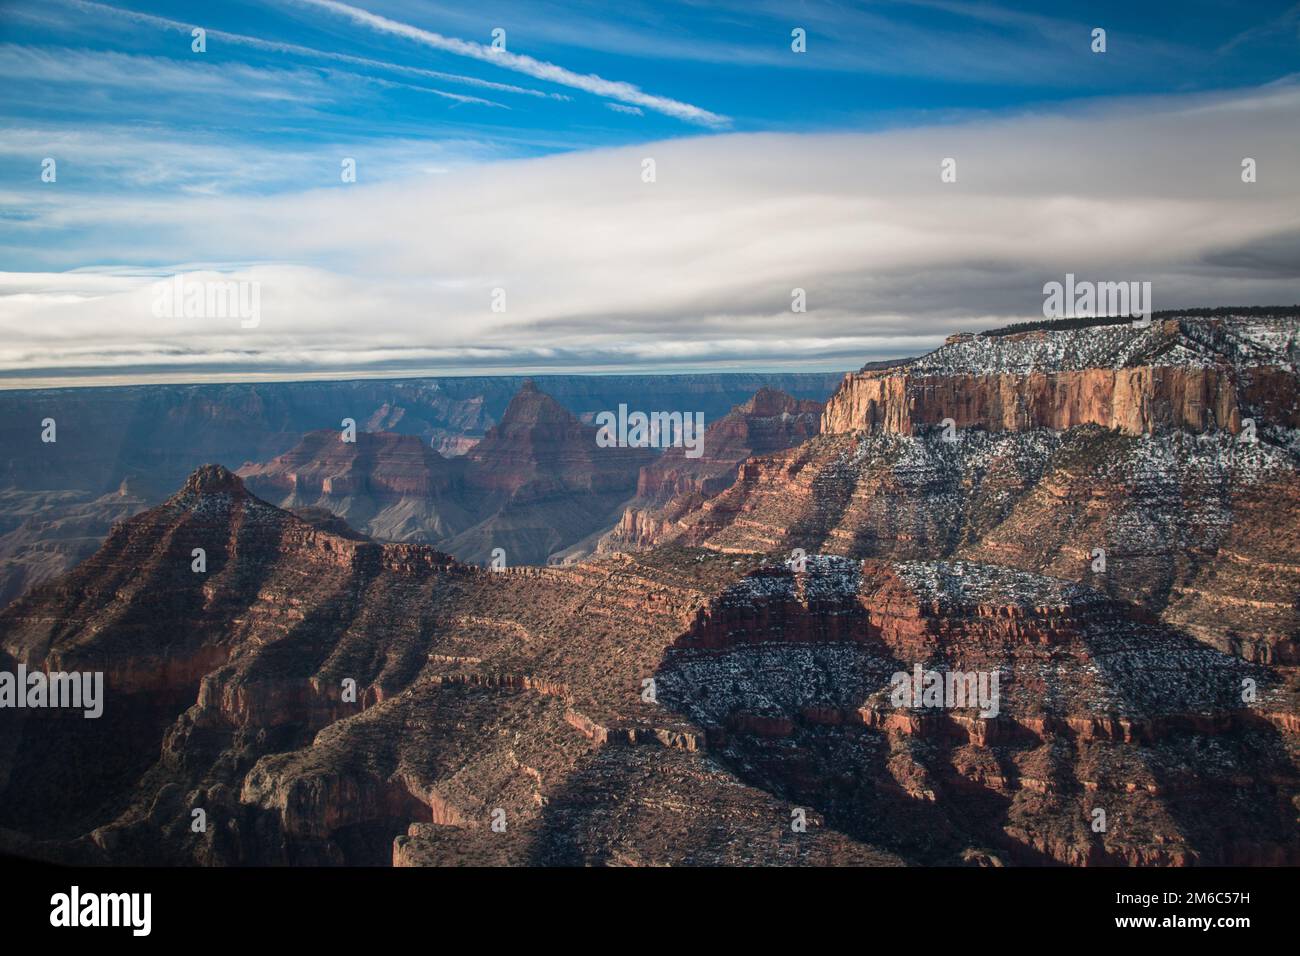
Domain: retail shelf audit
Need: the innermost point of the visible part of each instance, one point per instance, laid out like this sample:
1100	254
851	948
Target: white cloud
602	269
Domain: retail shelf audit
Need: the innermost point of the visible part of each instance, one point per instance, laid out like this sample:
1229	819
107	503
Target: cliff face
770	421
674	485
322	464
1133	401
790	675
540	449
391	486
1196	528
542	485
1193	374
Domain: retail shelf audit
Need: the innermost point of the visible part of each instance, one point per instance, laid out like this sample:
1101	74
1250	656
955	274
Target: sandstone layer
1186	373
674	484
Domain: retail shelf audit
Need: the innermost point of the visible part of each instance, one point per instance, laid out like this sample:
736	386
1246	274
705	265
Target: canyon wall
674	485
791	674
1134	380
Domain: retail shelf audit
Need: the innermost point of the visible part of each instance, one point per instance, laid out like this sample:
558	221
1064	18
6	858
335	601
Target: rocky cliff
1197	528
790	675
770	421
393	487
674	485
1191	521
1192	373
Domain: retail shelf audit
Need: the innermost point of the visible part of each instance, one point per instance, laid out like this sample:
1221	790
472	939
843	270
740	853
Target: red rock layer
790	675
1149	391
674	485
539	448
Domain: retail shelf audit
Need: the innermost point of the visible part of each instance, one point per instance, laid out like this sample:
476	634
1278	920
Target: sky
400	187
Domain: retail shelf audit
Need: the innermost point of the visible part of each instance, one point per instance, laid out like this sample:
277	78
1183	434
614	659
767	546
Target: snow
1193	342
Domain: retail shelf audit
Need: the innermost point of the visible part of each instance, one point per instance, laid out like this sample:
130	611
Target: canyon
538	488
535	484
58	500
675	484
1100	527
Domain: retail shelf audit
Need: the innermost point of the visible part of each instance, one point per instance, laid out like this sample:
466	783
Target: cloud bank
600	269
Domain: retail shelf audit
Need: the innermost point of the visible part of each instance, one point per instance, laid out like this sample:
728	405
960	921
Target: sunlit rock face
1190	373
1192	516
675	484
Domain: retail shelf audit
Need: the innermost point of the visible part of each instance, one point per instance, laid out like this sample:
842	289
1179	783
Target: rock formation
535	484
674	485
1099	622
392	487
1193	522
1191	373
789	675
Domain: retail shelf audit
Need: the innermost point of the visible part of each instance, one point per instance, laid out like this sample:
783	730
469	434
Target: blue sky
868	65
226	163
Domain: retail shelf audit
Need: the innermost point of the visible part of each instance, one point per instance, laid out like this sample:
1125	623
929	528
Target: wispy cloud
968	43
113	177
539	69
1285	27
106	68
277	46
